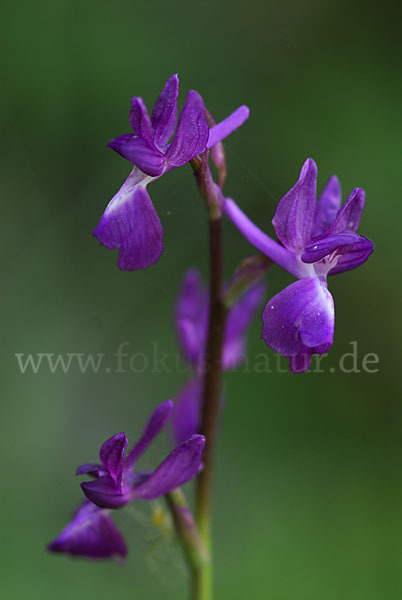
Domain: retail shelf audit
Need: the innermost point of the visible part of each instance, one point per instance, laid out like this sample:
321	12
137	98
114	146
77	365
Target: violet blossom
130	222
318	239
92	532
191	317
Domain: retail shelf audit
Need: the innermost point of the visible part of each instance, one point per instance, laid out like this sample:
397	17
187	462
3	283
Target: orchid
92	533
191	317
318	239
130	222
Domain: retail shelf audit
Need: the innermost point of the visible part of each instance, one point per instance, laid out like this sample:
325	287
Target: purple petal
348	218
340	252
179	467
238	321
351	256
155	424
105	492
112	454
90	534
138	478
192	132
300	318
134	149
327	245
260	240
191	316
293	220
140	121
130	223
327	206
164	114
92	469
227	126
301	362
186	414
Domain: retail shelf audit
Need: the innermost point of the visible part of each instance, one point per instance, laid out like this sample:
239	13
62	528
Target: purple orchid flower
319	239
130	222
92	533
191	316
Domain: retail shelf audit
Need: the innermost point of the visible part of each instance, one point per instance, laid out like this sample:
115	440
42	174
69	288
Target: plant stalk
211	398
202	588
187	531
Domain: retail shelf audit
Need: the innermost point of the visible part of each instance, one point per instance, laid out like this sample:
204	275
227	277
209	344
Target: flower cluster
316	239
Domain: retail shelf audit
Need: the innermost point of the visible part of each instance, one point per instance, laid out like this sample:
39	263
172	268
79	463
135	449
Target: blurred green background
308	497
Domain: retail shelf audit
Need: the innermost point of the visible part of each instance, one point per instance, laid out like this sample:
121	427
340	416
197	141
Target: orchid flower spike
130	222
92	533
317	239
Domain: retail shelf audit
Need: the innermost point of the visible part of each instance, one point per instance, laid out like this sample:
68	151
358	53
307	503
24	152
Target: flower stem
187	531
211	389
202	582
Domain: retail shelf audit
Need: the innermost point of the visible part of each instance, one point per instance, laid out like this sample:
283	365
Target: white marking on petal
135	180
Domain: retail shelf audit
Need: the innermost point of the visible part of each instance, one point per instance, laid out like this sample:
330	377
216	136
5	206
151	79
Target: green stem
211	389
187	531
202	584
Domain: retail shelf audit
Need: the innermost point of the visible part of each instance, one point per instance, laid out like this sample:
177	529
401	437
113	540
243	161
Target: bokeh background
308	497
